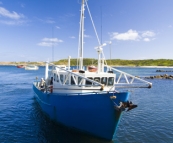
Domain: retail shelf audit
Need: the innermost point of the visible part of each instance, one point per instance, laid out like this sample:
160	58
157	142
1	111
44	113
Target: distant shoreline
148	63
21	63
144	66
43	64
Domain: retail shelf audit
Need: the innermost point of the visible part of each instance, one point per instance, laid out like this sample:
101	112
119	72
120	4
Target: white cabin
79	81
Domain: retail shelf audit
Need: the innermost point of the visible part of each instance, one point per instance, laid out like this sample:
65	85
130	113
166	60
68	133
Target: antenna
101	23
52	46
110	50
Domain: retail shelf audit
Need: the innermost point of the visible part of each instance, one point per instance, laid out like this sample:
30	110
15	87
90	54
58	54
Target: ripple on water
22	120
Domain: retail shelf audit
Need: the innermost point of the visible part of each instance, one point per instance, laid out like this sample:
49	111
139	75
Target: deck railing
94	83
125	80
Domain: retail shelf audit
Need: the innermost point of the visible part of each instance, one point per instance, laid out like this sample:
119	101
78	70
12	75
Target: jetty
164	76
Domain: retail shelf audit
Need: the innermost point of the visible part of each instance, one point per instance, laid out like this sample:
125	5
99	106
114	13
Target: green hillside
113	62
119	62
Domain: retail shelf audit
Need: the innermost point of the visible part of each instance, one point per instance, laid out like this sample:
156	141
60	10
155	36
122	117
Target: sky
41	30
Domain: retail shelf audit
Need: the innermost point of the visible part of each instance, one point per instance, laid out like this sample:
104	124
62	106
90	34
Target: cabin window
79	80
57	78
104	80
97	79
66	79
72	80
61	78
110	80
88	82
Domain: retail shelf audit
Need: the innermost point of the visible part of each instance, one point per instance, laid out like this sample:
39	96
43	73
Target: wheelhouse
78	79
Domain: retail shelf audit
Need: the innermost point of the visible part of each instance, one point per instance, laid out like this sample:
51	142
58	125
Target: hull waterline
94	114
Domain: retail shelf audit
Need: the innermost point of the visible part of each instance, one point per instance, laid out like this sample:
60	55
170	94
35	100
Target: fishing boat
20	66
83	100
31	67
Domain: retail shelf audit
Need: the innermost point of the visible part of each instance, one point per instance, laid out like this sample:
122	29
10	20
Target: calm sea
22	121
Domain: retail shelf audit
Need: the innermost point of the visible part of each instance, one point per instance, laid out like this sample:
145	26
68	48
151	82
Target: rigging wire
95	31
93	23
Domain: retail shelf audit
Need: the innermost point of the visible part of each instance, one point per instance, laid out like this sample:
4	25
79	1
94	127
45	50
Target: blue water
21	119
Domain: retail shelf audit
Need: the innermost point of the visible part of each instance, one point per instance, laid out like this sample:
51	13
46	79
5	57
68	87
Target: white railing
125	80
95	83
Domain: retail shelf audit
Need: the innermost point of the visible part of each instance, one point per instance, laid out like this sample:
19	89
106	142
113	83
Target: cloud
66	17
146	39
129	35
13	22
12	15
72	37
46	20
49	42
148	34
50	21
133	35
57	27
0	2
170	26
11	18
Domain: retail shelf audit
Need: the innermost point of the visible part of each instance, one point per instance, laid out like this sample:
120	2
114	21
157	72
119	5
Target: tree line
120	62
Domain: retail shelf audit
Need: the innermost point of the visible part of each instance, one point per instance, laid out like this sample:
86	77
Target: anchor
126	105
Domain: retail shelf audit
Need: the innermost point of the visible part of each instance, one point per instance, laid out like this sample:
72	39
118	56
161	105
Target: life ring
92	69
75	70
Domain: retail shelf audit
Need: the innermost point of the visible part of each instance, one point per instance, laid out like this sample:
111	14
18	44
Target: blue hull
93	114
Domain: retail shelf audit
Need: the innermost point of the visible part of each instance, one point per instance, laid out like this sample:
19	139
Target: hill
120	62
113	62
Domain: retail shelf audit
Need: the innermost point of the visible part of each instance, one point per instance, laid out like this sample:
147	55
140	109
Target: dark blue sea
22	121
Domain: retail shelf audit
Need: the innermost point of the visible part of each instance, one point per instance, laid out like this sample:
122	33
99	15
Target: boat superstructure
86	100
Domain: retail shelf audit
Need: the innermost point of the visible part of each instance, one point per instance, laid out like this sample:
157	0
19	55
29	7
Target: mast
81	36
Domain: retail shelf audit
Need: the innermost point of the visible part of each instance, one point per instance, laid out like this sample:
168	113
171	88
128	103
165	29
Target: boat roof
87	73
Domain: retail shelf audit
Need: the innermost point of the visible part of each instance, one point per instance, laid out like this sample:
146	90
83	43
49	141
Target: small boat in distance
31	67
20	66
86	100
